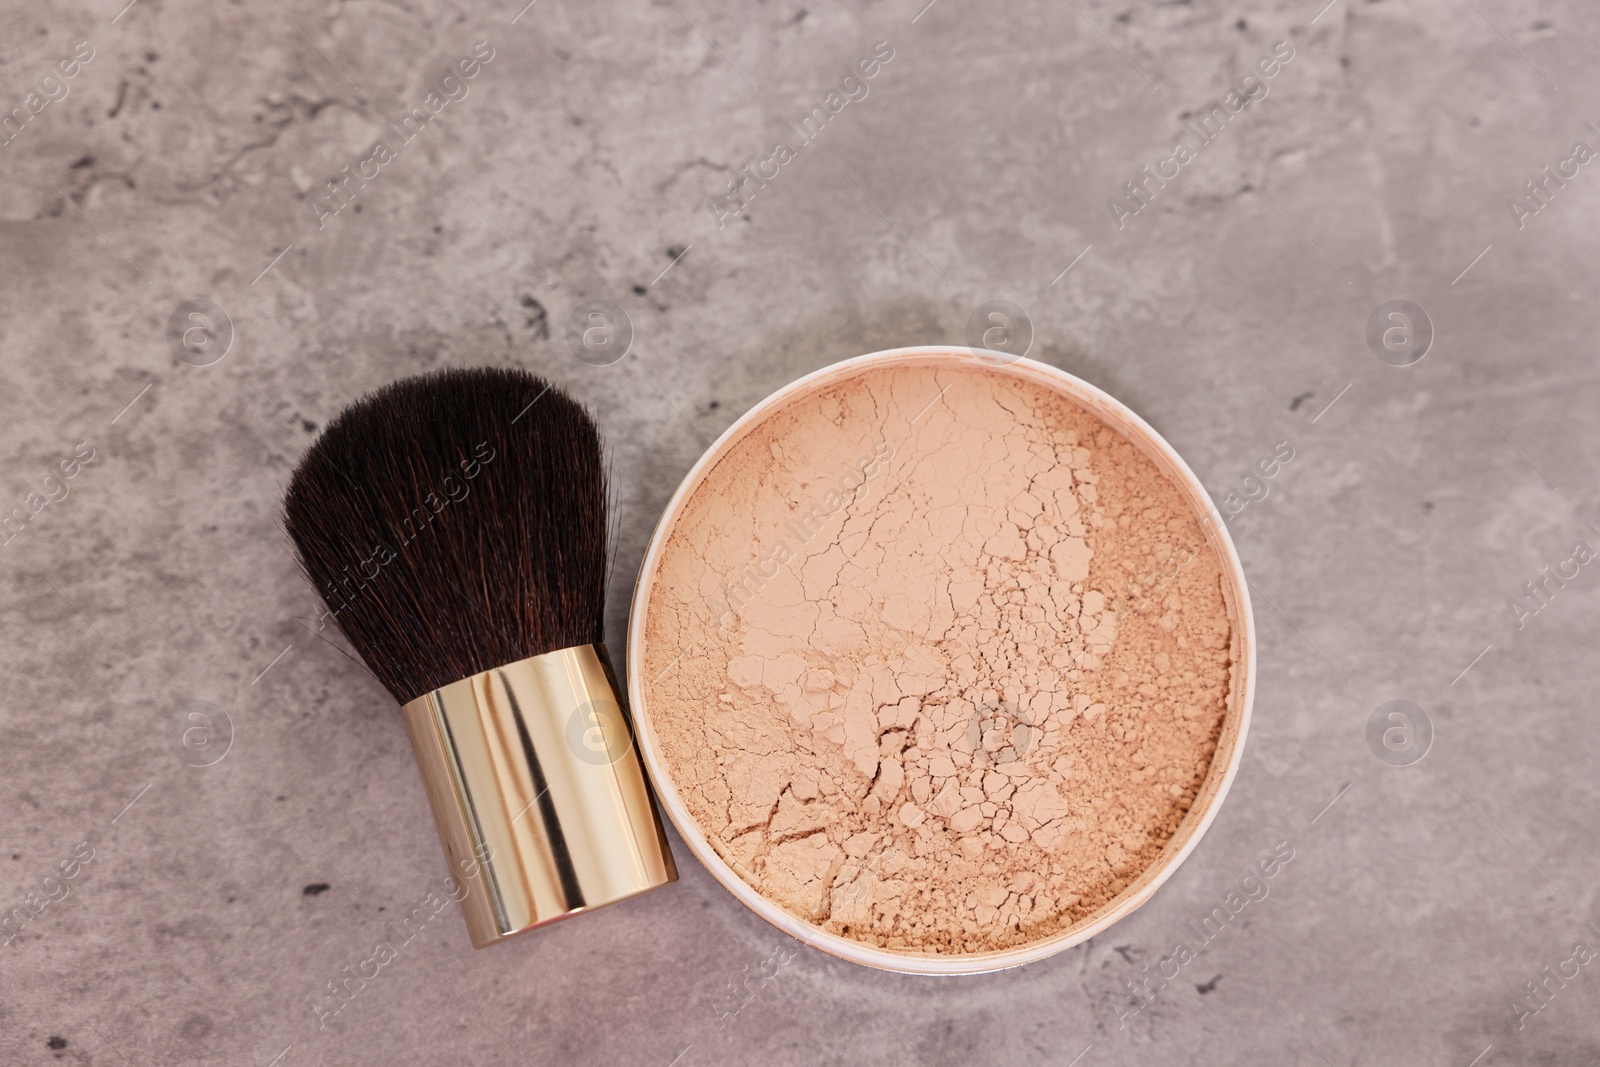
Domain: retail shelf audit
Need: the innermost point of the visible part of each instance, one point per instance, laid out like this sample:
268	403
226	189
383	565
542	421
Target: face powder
935	660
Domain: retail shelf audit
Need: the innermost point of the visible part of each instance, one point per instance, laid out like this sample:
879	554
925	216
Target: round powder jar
941	660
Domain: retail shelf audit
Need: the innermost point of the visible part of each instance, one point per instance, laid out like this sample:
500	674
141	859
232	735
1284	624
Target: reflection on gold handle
538	792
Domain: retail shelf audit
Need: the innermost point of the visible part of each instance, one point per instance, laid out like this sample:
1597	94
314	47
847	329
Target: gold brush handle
538	792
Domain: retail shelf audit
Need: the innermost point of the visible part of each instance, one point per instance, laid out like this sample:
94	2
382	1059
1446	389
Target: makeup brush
455	525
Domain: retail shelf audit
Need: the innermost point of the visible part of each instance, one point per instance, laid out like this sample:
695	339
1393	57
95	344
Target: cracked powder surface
938	660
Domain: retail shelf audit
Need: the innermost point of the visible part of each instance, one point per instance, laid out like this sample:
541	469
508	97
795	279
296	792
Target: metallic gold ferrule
538	792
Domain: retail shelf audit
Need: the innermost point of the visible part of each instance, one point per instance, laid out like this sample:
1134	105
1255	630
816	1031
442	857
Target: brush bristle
455	522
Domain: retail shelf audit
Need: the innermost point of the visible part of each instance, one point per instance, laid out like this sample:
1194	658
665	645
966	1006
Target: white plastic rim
1224	761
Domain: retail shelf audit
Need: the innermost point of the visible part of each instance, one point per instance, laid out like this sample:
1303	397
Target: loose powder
936	659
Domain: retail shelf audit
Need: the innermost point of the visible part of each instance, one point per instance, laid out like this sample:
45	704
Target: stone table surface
185	302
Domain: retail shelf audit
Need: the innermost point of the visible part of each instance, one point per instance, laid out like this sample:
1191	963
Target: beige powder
936	659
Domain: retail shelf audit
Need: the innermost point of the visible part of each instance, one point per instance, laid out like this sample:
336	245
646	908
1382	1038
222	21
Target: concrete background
1230	311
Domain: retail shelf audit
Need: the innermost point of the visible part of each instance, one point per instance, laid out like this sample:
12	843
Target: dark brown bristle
455	522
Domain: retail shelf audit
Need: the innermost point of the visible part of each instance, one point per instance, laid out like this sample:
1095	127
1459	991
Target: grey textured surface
1230	312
